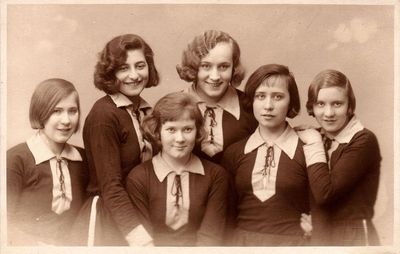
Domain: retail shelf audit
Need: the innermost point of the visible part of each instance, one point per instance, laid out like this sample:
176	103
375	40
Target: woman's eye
337	104
57	111
123	68
278	97
73	111
171	130
224	67
260	96
319	104
141	66
205	66
188	130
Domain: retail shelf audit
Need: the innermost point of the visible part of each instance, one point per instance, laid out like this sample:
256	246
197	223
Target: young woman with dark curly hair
113	140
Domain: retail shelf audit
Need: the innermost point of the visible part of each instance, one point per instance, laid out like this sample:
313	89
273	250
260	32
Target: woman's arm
104	153
138	192
355	160
212	227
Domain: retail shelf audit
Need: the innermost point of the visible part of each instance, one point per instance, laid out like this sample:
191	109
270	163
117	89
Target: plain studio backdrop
47	41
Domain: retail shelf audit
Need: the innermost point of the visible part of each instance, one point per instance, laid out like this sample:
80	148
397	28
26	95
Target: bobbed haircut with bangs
46	97
265	72
330	78
200	47
172	107
114	55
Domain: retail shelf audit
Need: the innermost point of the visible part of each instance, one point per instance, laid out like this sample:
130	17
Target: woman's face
178	138
215	72
62	123
331	109
134	74
271	103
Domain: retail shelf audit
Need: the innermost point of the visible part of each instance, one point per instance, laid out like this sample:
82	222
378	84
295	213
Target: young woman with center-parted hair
268	170
46	176
181	198
211	62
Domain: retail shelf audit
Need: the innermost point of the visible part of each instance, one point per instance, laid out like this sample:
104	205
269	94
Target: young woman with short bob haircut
344	176
46	176
113	141
268	168
180	197
211	62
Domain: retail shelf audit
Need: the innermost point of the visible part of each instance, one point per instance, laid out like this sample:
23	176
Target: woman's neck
177	164
208	100
55	147
271	134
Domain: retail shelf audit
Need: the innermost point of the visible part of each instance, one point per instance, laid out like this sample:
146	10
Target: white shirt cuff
314	153
139	237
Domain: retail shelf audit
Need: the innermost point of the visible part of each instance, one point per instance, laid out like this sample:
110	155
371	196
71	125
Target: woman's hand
308	135
306	224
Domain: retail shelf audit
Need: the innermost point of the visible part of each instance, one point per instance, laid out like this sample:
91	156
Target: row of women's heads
211	62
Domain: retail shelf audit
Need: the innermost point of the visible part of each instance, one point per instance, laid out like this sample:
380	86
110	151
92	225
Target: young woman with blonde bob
46	176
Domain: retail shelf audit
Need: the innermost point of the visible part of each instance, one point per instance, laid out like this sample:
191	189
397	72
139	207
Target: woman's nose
329	111
214	74
179	137
268	103
133	74
65	118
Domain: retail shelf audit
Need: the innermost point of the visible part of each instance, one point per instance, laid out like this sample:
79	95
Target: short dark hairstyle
266	71
170	108
330	78
114	55
46	97
199	48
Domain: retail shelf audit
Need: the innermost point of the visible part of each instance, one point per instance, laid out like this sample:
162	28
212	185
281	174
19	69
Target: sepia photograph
171	126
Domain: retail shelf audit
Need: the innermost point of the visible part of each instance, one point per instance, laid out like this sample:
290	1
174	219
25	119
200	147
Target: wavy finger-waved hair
330	78
114	55
45	98
265	72
200	47
171	108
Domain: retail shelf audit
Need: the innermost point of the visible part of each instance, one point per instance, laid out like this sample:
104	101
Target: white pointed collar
348	132
41	151
228	102
287	141
162	169
122	100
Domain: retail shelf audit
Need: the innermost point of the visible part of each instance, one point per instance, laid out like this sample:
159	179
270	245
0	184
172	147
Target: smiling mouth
64	130
214	84
135	83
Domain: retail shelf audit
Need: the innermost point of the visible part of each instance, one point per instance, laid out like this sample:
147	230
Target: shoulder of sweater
20	150
19	157
215	171
141	170
104	111
237	147
364	136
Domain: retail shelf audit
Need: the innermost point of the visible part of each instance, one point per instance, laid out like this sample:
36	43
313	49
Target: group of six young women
210	165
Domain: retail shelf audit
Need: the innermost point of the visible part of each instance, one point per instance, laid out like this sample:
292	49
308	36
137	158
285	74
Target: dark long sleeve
350	164
137	188
112	150
213	224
